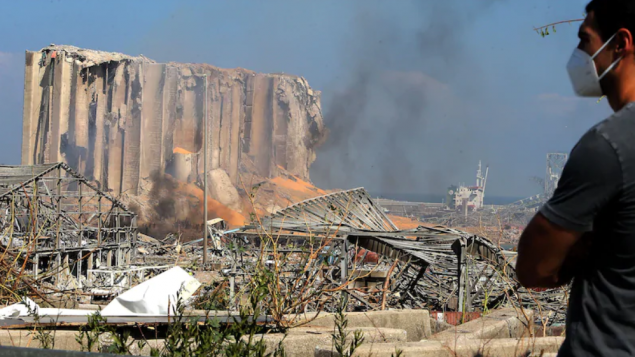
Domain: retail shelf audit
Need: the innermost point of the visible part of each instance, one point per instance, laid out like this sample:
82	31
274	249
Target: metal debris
437	268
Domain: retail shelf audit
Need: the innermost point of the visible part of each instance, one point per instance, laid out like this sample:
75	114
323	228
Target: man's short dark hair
612	15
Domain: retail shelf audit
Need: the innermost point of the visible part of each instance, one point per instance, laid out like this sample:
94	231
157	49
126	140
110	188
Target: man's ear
624	41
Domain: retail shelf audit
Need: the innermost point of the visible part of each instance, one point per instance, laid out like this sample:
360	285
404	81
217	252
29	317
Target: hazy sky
415	92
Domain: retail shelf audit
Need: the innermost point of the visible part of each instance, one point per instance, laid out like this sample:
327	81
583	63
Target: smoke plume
405	120
162	194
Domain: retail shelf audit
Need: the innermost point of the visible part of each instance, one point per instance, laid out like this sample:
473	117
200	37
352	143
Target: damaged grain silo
119	119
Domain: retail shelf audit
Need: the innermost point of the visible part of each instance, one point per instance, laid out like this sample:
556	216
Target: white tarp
154	297
22	309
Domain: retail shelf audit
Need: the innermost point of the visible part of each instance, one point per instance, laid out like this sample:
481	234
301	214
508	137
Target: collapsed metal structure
53	217
428	267
345	210
55	220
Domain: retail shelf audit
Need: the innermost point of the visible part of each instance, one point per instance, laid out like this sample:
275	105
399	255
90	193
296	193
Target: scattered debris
319	249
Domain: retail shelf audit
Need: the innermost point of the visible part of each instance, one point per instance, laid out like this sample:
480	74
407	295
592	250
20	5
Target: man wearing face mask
585	234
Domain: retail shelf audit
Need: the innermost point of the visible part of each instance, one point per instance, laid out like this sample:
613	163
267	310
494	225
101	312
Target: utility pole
205	177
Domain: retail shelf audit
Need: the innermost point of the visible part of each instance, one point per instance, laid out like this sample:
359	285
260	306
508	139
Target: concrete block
182	165
509	347
415	322
146	347
64	340
301	342
503	323
222	189
437	326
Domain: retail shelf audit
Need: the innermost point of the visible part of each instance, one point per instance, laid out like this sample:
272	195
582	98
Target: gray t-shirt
596	193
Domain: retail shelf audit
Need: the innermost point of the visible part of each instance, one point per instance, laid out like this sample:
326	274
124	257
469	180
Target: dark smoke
404	120
162	193
163	199
177	207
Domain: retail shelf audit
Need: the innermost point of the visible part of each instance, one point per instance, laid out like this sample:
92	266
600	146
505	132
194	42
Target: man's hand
579	254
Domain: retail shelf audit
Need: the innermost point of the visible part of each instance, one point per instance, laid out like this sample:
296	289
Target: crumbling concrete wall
118	119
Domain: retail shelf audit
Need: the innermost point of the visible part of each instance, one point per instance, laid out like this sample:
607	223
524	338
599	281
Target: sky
414	93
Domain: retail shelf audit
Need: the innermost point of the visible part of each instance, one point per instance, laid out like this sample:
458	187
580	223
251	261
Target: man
586	232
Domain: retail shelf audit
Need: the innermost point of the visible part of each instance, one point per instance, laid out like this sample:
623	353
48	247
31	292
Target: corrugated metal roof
351	209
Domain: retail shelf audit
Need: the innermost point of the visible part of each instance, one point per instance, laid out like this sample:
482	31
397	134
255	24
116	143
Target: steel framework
56	218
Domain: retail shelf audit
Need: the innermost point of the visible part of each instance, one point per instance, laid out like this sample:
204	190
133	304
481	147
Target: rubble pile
318	251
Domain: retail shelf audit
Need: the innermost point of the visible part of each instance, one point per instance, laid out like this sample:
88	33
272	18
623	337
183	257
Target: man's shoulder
610	142
618	129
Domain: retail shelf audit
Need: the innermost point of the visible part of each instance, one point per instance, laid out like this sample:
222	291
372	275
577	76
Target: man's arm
548	255
555	241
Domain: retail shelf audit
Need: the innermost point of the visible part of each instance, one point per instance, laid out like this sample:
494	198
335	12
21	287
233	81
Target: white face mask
583	74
